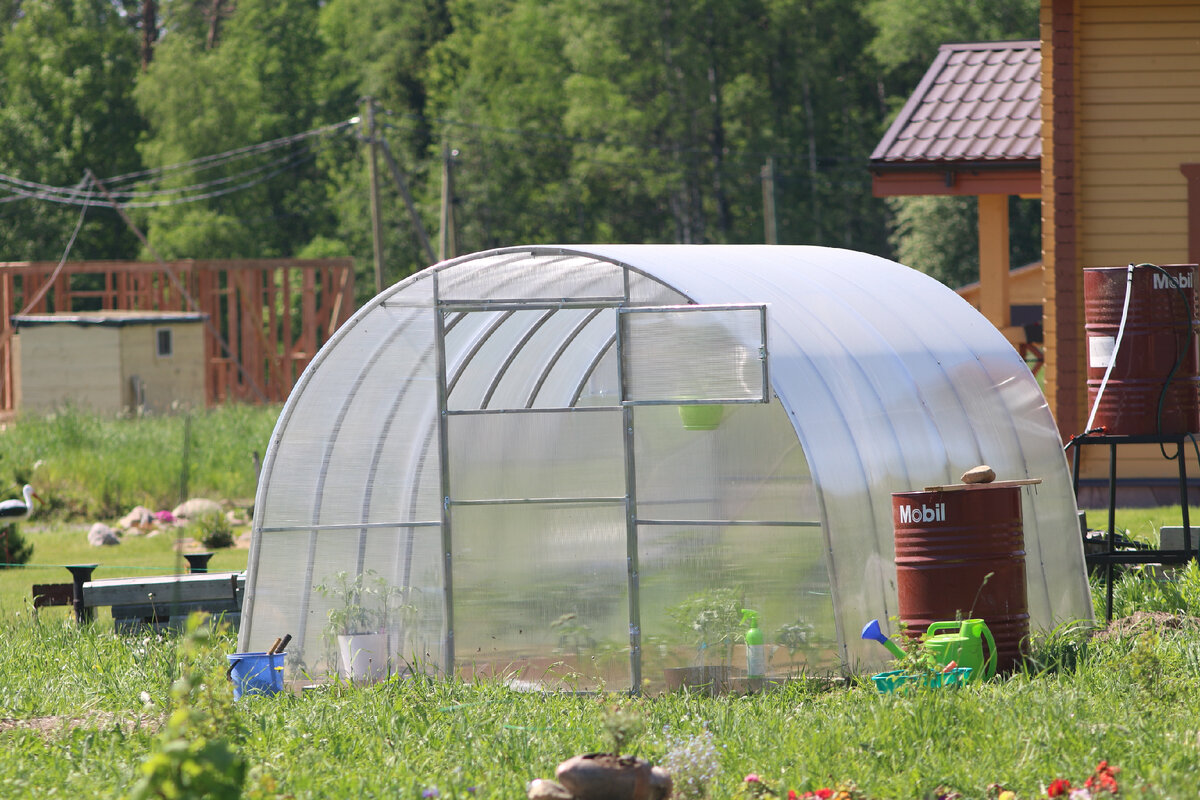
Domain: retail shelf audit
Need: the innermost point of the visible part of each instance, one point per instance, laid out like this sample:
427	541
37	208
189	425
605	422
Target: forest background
237	128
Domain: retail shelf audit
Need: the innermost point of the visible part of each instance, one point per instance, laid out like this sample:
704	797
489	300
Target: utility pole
768	187
373	173
446	244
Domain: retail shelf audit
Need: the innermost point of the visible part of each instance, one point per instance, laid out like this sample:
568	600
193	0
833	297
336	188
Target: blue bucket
256	673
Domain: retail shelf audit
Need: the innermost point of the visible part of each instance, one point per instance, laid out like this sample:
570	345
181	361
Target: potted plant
712	620
365	607
608	775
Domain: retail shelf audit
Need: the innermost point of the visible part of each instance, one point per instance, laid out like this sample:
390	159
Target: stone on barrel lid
981	474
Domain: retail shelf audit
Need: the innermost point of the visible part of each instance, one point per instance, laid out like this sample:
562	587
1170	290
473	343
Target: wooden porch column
1192	173
993	259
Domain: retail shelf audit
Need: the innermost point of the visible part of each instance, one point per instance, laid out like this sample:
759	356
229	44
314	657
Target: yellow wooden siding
174	382
1134	197
1139	143
69	364
1139	119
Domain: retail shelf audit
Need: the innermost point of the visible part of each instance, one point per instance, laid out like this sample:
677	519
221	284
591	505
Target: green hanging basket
701	417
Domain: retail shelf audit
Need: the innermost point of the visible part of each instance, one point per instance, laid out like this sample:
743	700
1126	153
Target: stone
196	507
101	535
542	789
138	517
981	474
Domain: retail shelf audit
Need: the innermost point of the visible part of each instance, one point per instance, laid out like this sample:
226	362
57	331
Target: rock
243	542
603	776
101	535
138	517
196	507
981	474
542	789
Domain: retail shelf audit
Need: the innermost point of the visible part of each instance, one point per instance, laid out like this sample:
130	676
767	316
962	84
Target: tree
72	112
383	49
255	85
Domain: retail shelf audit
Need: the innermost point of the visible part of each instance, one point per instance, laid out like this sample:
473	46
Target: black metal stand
1113	556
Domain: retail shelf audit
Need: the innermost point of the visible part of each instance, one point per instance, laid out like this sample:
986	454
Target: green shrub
14	550
213	530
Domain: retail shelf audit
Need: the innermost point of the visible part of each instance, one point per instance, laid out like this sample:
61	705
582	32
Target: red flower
824	794
1104	779
1059	787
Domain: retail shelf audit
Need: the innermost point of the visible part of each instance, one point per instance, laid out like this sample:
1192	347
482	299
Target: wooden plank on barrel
959	487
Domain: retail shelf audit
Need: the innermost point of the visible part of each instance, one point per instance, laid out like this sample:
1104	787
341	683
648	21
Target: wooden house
1120	174
1111	145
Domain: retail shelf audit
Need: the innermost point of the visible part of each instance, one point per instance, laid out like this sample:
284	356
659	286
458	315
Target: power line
20	189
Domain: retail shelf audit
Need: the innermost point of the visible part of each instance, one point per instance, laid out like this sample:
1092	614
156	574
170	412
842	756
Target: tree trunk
149	31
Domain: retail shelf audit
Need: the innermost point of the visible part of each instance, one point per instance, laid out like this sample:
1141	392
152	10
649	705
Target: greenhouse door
539	519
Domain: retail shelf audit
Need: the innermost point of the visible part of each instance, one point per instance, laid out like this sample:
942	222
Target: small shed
506	440
109	361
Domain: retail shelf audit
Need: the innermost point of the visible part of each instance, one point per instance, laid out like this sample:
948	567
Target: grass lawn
84	712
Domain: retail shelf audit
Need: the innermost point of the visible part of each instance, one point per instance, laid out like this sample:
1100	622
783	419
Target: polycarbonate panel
893	383
521	378
499	359
540	594
750	467
682	354
695	581
285	600
369	407
645	291
521	276
582	368
550	454
890	382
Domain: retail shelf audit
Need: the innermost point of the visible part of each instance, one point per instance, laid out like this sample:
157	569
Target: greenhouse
574	466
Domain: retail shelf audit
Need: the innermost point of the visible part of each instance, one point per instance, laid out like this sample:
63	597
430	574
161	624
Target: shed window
164	342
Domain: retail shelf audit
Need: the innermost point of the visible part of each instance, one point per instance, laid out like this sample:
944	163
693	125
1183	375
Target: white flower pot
363	657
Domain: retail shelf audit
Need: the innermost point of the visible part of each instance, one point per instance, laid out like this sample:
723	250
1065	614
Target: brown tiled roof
977	103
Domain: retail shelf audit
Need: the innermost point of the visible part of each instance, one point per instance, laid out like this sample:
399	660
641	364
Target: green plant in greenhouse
712	619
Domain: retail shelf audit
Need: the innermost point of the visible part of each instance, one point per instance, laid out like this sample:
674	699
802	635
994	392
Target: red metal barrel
1162	301
960	554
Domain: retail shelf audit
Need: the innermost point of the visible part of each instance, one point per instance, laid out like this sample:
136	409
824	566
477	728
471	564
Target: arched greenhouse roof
500	436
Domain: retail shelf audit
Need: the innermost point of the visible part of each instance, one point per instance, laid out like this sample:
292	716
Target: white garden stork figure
13	510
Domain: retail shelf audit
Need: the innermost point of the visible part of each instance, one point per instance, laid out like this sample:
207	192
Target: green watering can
964	646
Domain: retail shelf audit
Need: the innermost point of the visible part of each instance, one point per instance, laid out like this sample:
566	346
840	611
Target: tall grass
87	466
1127	699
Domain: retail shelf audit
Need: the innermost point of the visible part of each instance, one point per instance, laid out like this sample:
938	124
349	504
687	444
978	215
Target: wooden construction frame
272	314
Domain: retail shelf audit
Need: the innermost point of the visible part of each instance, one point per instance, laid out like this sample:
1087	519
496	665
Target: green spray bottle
756	651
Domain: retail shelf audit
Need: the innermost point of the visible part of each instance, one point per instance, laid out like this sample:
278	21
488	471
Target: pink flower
753	778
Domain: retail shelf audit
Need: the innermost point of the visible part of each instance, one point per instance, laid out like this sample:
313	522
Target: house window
164	342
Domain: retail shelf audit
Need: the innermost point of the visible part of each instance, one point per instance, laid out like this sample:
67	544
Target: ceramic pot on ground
363	657
603	776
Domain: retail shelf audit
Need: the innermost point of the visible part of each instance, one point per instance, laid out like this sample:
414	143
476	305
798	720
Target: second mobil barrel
1152	387
960	554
